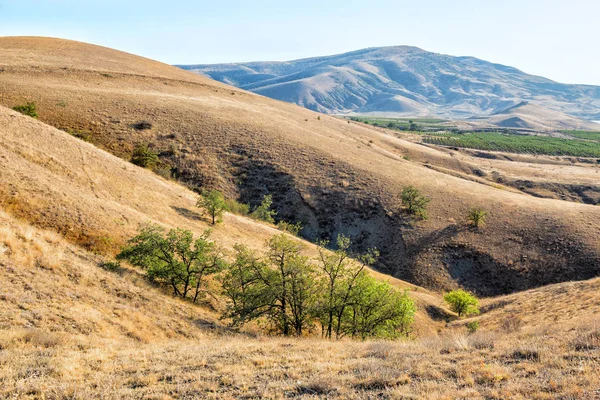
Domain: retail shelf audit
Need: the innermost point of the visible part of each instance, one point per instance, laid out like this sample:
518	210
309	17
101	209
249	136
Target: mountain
404	80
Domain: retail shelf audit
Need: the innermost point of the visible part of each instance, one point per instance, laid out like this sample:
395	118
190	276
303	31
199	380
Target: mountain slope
403	80
525	115
331	175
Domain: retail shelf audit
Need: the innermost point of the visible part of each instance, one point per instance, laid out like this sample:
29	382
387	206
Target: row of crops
513	143
588	135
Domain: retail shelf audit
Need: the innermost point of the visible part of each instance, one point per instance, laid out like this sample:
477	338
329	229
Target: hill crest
386	79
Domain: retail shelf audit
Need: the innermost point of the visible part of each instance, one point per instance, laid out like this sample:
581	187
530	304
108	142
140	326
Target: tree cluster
294	295
283	290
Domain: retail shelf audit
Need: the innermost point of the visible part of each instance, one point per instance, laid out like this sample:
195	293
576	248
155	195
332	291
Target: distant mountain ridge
404	80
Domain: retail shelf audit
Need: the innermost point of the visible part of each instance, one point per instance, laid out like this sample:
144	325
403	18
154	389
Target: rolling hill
404	80
72	326
331	175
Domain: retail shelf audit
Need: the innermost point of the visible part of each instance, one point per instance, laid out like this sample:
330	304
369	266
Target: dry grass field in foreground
70	329
528	365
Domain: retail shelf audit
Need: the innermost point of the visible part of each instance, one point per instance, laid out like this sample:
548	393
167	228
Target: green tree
461	302
245	284
339	277
379	310
279	289
214	203
27	109
291	272
477	216
264	211
144	156
414	202
174	258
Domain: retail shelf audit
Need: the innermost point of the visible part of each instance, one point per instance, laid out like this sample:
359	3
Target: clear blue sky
557	39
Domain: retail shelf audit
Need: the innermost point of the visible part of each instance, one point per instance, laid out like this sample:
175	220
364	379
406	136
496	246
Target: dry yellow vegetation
72	329
334	176
72	326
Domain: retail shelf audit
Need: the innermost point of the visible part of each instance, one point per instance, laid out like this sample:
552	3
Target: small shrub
264	212
477	216
41	338
414	202
164	170
144	156
236	207
587	341
481	341
461	302
142	125
112	266
289	227
473	326
27	109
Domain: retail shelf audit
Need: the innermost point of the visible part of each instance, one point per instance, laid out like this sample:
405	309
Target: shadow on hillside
189	214
439	236
332	203
437	313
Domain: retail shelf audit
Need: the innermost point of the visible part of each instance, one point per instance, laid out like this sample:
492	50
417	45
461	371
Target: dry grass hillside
332	175
98	201
74	327
70	329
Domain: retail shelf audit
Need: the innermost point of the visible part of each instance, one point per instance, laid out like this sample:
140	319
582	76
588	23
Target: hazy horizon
546	38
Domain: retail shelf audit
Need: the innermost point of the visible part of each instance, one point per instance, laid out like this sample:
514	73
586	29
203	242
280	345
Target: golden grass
536	365
71	329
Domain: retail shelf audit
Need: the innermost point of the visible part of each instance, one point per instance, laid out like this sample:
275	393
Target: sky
557	39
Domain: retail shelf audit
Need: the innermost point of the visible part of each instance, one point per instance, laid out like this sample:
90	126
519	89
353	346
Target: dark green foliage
294	294
214	203
403	124
588	135
27	109
86	136
264	212
461	302
111	266
144	156
414	202
280	288
174	258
